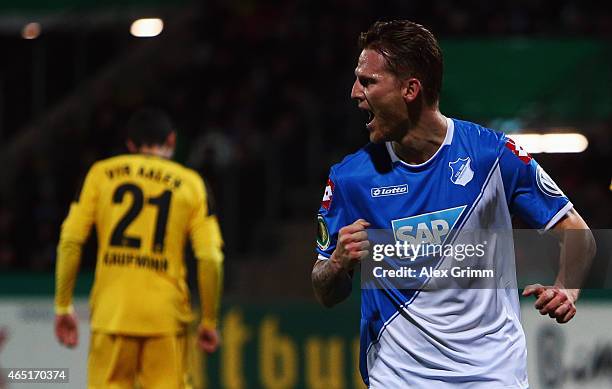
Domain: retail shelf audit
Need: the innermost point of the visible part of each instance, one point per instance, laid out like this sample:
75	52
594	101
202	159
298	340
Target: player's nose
357	91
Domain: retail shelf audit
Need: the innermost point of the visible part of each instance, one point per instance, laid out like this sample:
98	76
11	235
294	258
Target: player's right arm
341	244
74	233
332	278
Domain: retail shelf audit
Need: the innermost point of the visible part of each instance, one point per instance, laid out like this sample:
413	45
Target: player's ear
171	140
131	146
411	87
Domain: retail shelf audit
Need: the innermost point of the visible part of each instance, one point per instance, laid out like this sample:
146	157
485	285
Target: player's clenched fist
352	245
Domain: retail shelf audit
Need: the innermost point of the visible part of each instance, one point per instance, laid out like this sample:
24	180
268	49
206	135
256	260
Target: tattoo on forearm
330	284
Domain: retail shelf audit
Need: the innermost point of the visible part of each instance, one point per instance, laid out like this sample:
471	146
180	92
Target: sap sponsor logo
389	190
428	228
461	171
546	184
328	194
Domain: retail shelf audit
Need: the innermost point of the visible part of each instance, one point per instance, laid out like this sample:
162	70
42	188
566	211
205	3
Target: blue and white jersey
440	337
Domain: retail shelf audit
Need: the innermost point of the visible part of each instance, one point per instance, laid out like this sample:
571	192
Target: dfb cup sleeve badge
323	239
461	171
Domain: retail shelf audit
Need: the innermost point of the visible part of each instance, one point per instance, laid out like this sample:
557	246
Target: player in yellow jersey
145	208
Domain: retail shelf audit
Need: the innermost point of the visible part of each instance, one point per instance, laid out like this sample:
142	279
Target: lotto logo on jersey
428	228
389	190
518	151
328	194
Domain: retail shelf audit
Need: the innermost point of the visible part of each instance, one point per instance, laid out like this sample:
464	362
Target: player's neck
156	151
424	139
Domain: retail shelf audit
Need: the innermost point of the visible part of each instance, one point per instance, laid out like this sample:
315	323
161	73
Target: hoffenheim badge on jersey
461	172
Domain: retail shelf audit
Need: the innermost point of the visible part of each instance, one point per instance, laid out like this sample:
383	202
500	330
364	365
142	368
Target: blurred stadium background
260	95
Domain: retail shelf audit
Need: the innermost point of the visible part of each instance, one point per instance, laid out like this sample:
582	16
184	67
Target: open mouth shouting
370	117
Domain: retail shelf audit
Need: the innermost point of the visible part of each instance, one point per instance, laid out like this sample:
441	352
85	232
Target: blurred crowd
261	104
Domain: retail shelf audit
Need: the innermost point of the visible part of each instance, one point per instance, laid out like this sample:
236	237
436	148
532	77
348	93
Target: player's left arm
207	244
534	196
577	251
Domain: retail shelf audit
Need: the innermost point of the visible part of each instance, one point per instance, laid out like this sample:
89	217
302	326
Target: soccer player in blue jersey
428	174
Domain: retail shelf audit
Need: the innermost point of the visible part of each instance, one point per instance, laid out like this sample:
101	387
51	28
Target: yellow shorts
119	361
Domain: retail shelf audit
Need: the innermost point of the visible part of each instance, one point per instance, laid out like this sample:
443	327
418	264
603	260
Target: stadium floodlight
552	142
31	30
146	28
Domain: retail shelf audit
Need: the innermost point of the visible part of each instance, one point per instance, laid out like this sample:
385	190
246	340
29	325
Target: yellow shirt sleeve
68	260
74	233
210	280
207	243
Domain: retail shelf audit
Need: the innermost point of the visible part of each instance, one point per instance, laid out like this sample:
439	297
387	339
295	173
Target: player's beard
388	127
393	125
